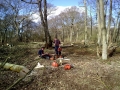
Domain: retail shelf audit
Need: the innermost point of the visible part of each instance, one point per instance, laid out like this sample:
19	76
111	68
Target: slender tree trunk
103	28
1	37
5	35
68	33
99	27
63	33
77	35
42	18
16	27
117	32
90	22
43	15
85	22
99	30
109	22
115	29
46	24
71	33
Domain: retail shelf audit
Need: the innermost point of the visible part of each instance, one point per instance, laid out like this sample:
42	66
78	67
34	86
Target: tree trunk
14	67
115	30
99	27
103	28
77	35
85	22
99	30
90	23
44	22
16	27
71	33
118	32
109	23
63	33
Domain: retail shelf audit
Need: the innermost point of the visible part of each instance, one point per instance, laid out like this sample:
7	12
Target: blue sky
65	2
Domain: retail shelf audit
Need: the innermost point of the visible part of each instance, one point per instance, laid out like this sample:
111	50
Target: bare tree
109	22
99	30
13	19
43	15
72	17
103	28
86	33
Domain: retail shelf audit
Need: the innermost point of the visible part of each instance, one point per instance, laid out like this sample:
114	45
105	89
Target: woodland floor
88	73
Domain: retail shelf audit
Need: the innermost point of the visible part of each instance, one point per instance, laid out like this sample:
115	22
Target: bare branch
31	2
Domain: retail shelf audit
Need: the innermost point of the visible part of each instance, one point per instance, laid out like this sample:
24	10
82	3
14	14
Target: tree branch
29	2
20	79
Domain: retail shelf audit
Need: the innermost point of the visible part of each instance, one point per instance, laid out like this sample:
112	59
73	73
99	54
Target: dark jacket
40	52
57	42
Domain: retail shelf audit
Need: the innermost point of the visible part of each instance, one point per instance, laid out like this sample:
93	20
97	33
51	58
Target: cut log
20	79
17	68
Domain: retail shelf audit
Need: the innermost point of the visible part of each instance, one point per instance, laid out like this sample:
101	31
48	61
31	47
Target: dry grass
88	72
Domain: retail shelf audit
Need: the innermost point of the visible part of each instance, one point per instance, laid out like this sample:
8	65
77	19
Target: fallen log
110	51
14	67
65	46
20	79
2	64
22	70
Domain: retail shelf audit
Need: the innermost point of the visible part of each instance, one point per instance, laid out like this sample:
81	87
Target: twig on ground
2	65
20	79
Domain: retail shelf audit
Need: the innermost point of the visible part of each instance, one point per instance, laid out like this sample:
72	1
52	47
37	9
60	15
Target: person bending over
42	55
